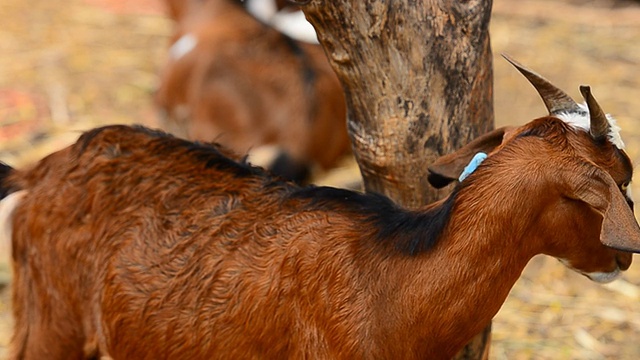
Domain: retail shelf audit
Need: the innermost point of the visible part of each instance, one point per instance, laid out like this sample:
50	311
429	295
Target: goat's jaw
603	277
599	277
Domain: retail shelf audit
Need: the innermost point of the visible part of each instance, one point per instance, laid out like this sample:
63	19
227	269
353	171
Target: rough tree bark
418	81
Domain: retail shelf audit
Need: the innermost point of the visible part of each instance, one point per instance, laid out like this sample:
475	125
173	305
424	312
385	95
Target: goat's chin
604	277
599	277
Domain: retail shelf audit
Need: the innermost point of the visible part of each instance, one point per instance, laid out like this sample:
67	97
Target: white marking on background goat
182	112
183	46
629	192
291	23
7	206
295	25
264	156
262	10
581	120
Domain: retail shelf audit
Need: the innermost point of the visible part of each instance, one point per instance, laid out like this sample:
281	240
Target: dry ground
66	68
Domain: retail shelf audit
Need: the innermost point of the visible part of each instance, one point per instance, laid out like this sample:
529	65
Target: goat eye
624	186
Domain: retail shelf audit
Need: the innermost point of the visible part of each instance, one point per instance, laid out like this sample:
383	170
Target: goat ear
619	229
449	167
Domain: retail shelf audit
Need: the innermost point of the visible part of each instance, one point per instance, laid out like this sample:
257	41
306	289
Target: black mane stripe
410	232
415	232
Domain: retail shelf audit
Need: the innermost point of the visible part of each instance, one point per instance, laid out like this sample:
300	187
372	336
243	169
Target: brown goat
178	9
239	82
132	244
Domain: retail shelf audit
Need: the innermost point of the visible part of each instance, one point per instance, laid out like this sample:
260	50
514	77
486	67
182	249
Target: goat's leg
51	335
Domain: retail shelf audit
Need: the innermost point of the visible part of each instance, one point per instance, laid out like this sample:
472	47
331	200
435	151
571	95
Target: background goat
240	82
134	244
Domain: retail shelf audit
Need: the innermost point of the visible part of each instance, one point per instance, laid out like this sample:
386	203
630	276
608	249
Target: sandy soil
67	68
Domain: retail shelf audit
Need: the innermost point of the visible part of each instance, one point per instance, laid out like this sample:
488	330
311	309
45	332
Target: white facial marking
183	46
629	192
581	120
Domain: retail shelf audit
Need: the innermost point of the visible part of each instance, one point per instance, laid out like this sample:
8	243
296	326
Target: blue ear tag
473	165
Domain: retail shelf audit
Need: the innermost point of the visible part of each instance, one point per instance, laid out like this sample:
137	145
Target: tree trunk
417	75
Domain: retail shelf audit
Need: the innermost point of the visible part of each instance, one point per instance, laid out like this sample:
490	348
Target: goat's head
578	159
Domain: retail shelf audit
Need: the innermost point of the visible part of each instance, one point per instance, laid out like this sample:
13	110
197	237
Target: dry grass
67	68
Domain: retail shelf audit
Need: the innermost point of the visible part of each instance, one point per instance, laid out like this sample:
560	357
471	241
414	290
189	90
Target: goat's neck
454	289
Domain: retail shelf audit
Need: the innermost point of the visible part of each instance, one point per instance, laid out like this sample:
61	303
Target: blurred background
67	68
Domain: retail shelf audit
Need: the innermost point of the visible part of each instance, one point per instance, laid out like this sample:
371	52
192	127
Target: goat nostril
623	261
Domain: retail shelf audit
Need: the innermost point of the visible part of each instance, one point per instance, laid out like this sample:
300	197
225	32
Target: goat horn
599	124
554	99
